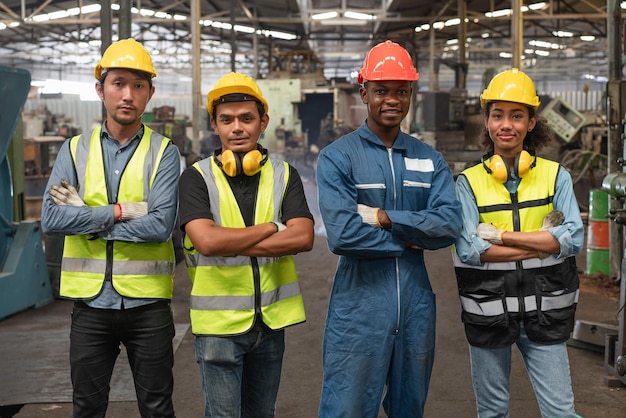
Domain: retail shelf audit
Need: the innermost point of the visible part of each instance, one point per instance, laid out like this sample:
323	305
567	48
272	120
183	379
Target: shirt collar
105	133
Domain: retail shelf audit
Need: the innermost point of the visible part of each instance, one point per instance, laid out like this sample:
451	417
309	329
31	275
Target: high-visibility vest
139	270
495	296
227	292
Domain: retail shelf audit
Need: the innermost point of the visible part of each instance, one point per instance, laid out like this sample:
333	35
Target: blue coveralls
380	328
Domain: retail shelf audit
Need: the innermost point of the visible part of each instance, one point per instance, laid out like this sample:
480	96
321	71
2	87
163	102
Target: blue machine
24	281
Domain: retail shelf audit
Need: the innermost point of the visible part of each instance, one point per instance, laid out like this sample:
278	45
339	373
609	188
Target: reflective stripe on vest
223	296
141	270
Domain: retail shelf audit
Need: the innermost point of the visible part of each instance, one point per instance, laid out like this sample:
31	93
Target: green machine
24	280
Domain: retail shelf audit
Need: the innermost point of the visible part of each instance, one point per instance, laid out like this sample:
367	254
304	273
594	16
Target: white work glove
133	210
490	233
279	226
65	194
369	215
552	219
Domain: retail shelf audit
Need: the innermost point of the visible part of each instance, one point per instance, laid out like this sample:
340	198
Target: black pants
95	341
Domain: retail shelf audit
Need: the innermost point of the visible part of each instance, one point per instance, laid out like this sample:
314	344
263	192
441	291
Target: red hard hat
387	61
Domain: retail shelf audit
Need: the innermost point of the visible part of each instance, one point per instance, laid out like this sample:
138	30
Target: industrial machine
24	280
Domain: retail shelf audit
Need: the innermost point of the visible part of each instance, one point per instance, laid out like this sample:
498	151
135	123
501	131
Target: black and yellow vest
139	270
541	293
227	292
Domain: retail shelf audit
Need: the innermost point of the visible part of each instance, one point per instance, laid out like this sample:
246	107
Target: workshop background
305	55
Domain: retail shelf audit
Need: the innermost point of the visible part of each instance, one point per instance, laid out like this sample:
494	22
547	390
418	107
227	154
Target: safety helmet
242	85
387	61
127	54
511	86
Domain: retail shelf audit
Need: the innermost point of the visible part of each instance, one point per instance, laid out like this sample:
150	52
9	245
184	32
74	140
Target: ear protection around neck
499	168
249	164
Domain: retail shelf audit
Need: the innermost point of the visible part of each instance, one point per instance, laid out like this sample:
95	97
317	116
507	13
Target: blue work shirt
156	226
570	234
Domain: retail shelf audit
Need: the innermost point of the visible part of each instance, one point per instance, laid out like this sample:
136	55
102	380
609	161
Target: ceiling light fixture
324	15
343	22
358	15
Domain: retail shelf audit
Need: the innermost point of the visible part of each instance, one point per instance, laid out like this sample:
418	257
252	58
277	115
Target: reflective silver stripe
495	307
221	303
408	183
239	303
80	160
490	308
549	303
151	161
120	267
530	304
283	292
214	195
531	263
370	186
236	261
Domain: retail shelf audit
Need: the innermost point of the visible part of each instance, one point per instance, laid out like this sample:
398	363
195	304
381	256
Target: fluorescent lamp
345	22
359	16
325	15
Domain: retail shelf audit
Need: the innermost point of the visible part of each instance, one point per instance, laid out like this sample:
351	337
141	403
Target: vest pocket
482	300
556	295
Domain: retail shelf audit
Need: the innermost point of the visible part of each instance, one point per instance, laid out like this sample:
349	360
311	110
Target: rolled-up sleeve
469	246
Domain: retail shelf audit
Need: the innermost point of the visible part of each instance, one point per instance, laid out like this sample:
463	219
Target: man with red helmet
385	197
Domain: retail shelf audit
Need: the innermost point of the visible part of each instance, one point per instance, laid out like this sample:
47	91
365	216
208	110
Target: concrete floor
450	393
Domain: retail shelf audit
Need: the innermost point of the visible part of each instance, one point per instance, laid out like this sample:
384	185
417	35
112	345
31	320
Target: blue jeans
241	373
95	338
547	366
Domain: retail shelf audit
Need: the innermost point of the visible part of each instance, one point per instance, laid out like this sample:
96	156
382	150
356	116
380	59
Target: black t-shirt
194	197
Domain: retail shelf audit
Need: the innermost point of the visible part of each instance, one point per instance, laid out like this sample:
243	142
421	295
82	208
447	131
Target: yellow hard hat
511	86
235	83
127	54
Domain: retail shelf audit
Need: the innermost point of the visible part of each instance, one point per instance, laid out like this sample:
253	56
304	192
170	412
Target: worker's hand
369	215
490	233
280	226
552	219
65	194
133	210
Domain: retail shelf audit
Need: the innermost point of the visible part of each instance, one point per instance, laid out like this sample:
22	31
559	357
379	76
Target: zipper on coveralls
393	176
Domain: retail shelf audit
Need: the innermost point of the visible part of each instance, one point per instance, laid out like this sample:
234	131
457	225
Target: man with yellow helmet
514	259
385	197
113	194
244	214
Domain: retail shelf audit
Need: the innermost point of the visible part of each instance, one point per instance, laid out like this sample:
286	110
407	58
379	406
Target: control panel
563	118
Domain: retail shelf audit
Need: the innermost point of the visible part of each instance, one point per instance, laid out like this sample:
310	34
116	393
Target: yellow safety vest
522	211
139	270
542	293
228	292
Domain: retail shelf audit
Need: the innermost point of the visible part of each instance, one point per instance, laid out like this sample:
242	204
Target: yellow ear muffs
252	162
499	168
231	163
523	163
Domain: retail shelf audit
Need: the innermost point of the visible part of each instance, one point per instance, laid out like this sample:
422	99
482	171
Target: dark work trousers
95	340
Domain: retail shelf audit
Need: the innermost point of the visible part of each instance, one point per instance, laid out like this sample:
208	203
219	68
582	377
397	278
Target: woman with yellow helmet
515	258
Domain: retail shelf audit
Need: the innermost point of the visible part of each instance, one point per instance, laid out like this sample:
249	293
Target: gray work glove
65	194
552	219
490	233
133	210
369	215
280	226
